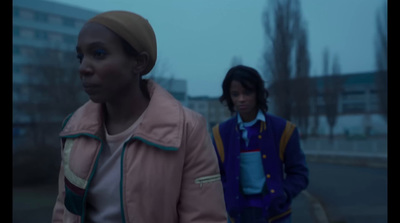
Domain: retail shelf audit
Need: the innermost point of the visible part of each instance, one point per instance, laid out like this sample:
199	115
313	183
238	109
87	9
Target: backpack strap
218	142
287	133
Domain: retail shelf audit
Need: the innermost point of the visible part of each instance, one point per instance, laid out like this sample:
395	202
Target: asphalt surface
336	194
350	194
34	205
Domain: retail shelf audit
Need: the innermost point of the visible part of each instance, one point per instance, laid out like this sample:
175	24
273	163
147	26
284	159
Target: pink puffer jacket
169	168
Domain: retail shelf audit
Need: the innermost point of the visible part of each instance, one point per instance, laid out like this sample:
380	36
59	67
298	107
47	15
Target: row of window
42	35
216	111
46	18
354	96
355	107
347	106
35	52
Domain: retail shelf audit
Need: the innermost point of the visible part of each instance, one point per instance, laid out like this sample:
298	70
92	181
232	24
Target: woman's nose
241	97
85	68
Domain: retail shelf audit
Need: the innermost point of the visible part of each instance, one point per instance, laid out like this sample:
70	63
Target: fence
368	151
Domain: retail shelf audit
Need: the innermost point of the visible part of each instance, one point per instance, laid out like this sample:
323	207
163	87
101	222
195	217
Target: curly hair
251	80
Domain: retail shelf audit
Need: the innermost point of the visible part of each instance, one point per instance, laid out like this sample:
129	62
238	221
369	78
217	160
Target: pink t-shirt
103	199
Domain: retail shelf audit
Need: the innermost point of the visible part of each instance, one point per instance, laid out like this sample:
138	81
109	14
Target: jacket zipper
121	192
207	179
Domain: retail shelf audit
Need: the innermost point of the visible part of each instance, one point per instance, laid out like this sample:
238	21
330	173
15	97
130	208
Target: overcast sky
197	39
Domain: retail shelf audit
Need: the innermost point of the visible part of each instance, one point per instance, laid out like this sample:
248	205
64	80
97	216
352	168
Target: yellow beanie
133	28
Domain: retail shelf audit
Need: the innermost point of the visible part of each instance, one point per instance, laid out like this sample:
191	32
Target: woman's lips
89	88
242	107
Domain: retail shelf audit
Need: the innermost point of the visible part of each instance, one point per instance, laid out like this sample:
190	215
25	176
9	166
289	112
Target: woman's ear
142	61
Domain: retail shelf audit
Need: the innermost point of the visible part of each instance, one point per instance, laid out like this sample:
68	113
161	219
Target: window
54	19
178	96
68	22
41	17
353	95
354	107
373	91
24	92
26	33
16	50
373	96
70	39
41	35
15	12
212	110
55	37
16	68
18	77
26	14
27	51
79	24
16	31
374	107
201	105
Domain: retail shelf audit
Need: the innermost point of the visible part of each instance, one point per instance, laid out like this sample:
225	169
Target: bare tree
314	95
236	60
325	61
49	92
332	90
301	83
281	22
53	91
381	58
160	70
162	75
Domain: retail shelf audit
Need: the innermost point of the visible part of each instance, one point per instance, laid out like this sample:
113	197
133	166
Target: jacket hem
280	215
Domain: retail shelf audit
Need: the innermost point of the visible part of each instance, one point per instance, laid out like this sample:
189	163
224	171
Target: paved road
33	204
350	194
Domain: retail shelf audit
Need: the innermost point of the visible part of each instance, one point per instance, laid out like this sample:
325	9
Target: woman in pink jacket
132	153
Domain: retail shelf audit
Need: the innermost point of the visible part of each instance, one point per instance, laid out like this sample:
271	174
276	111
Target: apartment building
211	108
42	30
359	112
176	87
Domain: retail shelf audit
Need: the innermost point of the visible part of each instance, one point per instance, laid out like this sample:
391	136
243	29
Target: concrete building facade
359	111
211	108
43	32
39	28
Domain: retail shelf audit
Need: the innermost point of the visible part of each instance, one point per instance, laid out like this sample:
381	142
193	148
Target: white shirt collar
260	116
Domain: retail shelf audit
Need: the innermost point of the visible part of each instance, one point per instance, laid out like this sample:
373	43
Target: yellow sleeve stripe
263	126
287	133
218	143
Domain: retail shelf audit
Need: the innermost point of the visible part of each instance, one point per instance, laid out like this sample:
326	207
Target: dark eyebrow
91	45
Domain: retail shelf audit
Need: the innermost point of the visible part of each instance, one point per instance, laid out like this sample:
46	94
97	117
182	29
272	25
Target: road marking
318	210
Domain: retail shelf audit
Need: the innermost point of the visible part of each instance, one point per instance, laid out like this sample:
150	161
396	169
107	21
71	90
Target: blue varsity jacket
283	161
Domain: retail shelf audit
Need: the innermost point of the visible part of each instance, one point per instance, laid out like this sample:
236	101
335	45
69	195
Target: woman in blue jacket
262	165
